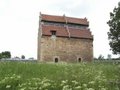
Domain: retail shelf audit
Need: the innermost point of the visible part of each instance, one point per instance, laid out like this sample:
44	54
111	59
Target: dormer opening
53	33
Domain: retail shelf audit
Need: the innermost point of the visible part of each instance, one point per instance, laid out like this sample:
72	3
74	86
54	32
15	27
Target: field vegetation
60	76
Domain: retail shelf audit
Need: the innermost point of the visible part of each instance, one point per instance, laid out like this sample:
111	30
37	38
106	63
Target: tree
95	58
0	56
23	57
114	33
109	57
101	57
6	54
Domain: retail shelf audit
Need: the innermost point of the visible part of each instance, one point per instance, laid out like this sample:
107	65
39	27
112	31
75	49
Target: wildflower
8	86
46	84
103	89
64	81
84	85
40	88
90	89
18	77
78	87
66	87
22	89
75	82
92	82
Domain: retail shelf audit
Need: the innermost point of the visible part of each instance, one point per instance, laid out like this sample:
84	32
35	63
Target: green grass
41	76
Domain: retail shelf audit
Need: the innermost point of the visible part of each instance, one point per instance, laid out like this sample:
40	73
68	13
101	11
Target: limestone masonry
64	39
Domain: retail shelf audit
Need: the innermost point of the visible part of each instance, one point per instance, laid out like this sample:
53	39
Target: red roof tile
52	18
80	33
63	19
62	32
77	21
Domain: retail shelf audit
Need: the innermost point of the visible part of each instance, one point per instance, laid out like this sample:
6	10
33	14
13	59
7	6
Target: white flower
78	87
19	77
66	87
75	82
84	85
103	89
92	82
22	89
90	89
64	81
46	85
8	86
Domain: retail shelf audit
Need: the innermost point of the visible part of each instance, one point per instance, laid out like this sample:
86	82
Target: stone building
62	38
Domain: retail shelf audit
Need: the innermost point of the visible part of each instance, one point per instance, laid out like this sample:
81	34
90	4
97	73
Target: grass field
36	76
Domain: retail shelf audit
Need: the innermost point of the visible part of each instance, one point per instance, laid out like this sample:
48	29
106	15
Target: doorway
79	59
56	60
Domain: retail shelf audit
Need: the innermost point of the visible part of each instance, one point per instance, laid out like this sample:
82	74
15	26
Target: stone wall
65	49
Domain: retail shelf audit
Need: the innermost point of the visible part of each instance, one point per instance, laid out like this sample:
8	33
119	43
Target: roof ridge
56	18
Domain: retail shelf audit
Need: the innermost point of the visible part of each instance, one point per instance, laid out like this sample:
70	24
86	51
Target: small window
56	60
53	33
79	60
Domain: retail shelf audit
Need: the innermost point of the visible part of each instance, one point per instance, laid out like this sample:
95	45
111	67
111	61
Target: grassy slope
83	73
57	71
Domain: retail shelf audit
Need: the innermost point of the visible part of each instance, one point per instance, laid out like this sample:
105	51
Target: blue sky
19	22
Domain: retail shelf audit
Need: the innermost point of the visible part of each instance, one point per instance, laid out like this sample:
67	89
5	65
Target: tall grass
89	76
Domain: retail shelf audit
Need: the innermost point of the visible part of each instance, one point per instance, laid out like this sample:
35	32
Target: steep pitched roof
63	19
62	32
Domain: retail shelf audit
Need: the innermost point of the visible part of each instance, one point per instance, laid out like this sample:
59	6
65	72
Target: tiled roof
62	32
52	18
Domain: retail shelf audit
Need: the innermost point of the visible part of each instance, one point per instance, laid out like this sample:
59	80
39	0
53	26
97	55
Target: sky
19	21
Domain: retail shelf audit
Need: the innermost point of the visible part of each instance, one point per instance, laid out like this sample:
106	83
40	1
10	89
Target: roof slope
64	19
62	32
65	30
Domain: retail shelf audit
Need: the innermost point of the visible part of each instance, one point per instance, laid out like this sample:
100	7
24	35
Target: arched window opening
79	59
56	60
